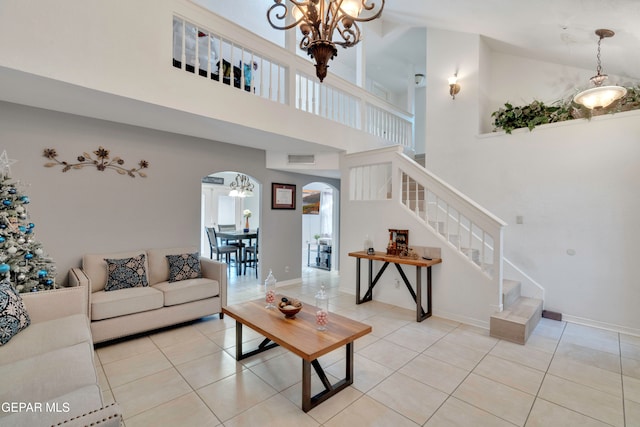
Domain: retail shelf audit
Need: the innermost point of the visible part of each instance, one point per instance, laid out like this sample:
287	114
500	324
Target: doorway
220	206
320	227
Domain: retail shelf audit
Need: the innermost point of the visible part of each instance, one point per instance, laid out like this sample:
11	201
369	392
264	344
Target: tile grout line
573	382
536	397
451	395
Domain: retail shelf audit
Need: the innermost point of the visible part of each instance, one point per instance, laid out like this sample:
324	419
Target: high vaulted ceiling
558	31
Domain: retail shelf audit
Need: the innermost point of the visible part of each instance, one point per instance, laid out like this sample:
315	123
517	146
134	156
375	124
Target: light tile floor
434	373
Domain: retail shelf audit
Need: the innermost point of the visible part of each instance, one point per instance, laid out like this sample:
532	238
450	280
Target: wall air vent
301	159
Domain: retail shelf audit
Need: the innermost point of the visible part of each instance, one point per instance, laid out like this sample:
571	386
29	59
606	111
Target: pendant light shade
600	96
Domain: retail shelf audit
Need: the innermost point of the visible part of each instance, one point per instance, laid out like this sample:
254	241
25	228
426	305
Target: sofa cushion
40	338
184	266
188	290
159	264
46	376
105	305
58	409
126	273
13	316
95	267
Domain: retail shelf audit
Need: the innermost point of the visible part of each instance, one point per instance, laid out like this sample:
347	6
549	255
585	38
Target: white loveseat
122	312
47	369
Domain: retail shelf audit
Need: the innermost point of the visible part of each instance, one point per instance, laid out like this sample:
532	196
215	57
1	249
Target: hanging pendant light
320	20
241	187
600	96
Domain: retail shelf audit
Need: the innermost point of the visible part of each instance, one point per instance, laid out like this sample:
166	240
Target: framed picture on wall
283	196
310	202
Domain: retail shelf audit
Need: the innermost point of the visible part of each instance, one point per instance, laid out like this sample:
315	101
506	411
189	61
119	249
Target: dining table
241	236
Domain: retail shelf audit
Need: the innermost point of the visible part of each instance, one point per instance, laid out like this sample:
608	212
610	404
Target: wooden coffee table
300	336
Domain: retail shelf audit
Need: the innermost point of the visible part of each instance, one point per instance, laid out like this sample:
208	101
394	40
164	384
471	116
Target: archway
220	206
320	226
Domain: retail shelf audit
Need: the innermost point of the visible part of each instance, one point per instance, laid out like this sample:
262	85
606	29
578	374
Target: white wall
420	114
245	13
86	211
575	184
449	120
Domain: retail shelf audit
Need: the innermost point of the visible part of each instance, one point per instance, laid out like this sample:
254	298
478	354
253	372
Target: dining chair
251	255
220	250
229	227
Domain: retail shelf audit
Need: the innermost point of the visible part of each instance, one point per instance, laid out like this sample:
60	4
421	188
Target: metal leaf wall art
101	160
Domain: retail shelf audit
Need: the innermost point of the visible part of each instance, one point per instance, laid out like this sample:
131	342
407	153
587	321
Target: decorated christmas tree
22	258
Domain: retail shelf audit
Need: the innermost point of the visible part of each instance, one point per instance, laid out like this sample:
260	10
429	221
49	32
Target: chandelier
600	96
241	187
319	21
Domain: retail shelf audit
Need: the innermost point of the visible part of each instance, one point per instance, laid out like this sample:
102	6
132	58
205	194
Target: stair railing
472	230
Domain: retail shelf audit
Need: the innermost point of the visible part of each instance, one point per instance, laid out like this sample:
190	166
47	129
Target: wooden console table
397	261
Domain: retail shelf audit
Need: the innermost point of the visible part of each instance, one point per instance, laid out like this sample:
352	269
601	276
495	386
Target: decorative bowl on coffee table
289	307
290	311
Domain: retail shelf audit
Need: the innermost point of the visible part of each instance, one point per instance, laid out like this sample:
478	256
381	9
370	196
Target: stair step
517	322
510	292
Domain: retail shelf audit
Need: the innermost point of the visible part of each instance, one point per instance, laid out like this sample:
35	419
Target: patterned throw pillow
126	273
13	315
183	267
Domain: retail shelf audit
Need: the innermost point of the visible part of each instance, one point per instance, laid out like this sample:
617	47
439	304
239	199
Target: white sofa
123	312
48	371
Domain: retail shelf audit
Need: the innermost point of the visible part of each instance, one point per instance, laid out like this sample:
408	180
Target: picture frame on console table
283	196
398	242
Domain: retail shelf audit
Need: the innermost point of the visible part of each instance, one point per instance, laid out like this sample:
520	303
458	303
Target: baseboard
461	319
601	325
437	313
290	282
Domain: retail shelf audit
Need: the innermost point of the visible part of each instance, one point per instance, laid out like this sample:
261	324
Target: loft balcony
160	67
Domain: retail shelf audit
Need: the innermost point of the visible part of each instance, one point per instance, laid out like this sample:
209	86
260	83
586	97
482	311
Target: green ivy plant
537	113
529	116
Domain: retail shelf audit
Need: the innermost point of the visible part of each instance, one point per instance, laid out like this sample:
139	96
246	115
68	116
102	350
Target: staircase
470	238
519	316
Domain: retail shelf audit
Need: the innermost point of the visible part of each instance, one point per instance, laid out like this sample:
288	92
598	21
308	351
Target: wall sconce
419	79
454	87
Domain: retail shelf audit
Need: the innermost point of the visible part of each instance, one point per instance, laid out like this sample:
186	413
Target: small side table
421	314
323	256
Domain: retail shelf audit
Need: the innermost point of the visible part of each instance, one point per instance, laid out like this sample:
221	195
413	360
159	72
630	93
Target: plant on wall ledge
537	113
102	162
529	116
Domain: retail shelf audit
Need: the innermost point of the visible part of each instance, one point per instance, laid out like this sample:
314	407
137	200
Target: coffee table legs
308	402
266	344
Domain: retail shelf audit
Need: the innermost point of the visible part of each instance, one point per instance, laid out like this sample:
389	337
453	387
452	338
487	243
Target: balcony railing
223	60
196	48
